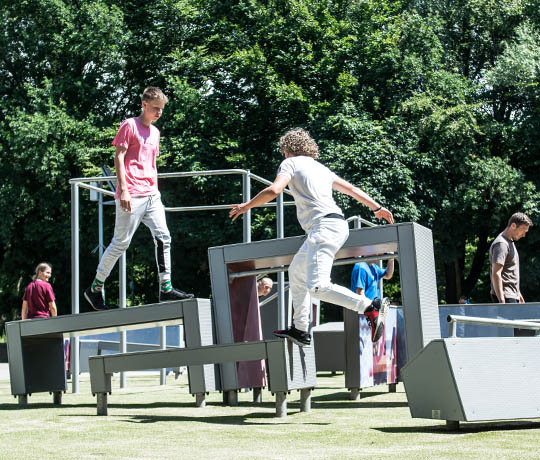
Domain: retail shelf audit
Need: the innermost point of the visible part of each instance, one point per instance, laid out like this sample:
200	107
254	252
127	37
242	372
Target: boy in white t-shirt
138	199
311	184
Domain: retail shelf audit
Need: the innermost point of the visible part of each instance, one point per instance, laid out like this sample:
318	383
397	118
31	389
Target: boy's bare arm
264	196
348	189
125	197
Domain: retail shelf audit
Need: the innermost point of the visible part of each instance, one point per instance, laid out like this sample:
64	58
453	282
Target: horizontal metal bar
97	189
216	172
283	268
267	182
272	297
362	220
494	322
215	207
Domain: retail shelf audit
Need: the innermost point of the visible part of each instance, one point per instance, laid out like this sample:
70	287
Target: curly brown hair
152	93
298	142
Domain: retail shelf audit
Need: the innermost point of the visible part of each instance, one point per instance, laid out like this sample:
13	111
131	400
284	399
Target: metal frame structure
87	183
412	243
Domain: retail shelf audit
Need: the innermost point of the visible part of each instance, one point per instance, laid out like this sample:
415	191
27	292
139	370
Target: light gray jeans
150	211
309	272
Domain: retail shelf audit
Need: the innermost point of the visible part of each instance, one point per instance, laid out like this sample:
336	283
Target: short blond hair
152	93
298	142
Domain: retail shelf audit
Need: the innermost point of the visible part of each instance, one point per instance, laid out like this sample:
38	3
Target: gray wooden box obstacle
36	347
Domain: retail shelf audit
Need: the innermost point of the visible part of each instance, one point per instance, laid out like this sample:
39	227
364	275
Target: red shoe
377	317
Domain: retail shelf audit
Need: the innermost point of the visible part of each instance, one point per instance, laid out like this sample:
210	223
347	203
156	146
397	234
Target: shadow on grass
464	428
41	405
244	419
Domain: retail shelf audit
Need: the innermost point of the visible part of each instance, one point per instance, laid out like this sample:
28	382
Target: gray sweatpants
150	211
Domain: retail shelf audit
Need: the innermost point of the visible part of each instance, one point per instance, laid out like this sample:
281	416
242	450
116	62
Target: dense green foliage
430	106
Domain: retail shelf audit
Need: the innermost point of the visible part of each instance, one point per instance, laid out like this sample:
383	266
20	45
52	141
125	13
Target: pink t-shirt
142	143
38	294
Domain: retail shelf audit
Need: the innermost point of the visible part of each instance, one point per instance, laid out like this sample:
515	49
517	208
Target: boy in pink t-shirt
138	199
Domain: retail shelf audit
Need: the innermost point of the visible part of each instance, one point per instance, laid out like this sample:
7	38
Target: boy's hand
385	214
237	210
125	201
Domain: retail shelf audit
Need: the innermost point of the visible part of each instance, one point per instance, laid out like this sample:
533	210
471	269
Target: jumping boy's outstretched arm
348	189
264	196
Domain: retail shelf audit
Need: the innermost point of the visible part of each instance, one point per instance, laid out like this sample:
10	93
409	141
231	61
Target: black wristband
378	209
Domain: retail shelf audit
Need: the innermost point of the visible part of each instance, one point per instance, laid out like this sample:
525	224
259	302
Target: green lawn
148	421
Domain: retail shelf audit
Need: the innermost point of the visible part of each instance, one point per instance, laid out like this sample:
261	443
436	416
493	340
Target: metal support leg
23	401
392	387
232	398
200	399
257	395
355	394
101	403
281	404
452	425
305	400
57	398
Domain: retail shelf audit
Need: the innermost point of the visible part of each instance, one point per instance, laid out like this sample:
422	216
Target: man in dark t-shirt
504	261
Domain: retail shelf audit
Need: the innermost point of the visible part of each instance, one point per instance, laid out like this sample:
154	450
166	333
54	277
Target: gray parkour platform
236	310
36	346
280	355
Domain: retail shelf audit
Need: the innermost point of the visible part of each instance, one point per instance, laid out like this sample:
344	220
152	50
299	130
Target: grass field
149	421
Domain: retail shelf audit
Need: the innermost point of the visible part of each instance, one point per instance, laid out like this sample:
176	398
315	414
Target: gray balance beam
36	346
284	362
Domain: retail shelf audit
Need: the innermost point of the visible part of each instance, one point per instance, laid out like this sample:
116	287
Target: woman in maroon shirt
38	299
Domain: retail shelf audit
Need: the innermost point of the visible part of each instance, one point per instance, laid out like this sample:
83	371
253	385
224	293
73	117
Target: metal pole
75	282
100	221
163	343
246	196
122	304
281	275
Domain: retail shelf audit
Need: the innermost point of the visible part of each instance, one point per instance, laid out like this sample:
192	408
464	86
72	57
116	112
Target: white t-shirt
311	186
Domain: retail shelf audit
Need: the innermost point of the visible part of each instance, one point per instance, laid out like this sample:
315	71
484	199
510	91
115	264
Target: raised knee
318	290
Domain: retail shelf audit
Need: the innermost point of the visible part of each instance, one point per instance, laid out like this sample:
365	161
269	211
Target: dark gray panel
222	312
15	358
430	385
329	343
300	365
418	287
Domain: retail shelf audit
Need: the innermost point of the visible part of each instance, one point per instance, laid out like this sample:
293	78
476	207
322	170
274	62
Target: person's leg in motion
155	220
299	332
126	223
326	239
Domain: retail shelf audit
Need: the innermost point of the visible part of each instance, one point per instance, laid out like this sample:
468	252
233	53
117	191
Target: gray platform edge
475	379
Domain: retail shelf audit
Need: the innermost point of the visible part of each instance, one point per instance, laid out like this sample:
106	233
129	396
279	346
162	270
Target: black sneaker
301	338
376	315
174	294
95	299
